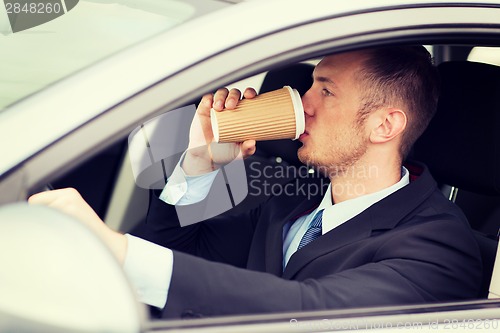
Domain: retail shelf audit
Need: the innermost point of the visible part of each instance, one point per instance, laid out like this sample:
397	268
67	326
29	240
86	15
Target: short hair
403	77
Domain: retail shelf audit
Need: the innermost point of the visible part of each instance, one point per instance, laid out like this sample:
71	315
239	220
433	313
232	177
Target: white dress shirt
149	266
334	215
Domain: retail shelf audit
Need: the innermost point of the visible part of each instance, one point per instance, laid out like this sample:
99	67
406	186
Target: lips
303	135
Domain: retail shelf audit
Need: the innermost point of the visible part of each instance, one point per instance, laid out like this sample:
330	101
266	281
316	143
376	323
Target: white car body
58	127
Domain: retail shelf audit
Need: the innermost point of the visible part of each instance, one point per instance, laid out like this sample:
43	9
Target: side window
487	55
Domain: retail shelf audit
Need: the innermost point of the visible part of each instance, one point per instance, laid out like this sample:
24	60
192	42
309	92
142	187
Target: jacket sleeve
435	261
223	238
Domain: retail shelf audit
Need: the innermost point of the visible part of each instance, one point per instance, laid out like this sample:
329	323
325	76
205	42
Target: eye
326	92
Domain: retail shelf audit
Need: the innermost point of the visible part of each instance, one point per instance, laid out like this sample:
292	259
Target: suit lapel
351	231
274	241
384	215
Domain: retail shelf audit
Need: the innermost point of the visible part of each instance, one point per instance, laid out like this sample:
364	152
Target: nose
306	103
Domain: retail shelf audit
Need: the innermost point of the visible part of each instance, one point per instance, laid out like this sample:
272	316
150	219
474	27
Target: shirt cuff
182	189
149	269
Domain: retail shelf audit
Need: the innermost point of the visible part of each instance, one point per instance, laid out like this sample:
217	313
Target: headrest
461	146
298	76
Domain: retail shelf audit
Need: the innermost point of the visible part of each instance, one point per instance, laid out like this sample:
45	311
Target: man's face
334	138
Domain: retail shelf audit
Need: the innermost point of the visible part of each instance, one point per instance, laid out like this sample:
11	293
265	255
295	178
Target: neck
364	178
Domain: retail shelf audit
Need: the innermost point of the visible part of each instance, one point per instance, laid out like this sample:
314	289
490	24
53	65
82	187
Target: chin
306	158
302	155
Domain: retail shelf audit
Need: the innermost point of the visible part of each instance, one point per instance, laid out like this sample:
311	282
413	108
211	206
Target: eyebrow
324	79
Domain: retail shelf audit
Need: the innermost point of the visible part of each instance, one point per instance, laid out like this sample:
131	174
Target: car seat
461	147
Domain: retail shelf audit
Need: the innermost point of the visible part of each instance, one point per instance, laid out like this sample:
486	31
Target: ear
389	124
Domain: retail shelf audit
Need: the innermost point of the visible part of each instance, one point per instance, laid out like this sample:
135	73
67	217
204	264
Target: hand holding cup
203	152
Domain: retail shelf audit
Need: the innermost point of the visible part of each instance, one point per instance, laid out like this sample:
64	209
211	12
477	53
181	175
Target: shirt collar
335	215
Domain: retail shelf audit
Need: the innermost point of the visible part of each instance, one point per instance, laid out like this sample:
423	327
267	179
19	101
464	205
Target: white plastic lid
300	122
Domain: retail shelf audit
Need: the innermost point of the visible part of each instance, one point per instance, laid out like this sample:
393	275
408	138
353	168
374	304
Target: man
395	240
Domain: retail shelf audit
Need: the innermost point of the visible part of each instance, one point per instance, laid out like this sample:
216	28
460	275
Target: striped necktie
314	230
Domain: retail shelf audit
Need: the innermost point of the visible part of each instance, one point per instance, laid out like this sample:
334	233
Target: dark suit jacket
414	246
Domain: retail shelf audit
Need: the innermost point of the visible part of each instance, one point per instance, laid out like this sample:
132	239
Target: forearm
162	227
222	238
201	288
204	288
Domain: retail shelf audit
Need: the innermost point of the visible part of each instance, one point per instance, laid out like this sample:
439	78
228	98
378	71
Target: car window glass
487	55
36	57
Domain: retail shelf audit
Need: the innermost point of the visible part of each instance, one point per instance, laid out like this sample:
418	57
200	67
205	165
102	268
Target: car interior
463	157
461	147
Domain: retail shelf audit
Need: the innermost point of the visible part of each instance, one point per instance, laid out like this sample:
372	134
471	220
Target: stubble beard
338	161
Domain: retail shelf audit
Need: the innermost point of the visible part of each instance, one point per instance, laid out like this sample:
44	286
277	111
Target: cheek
334	125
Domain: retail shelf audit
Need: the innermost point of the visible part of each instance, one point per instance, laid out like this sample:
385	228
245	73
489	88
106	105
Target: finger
220	99
249	93
205	105
42	198
49	197
248	148
233	98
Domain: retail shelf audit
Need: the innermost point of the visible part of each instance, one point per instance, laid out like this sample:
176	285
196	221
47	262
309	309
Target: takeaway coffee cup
274	115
